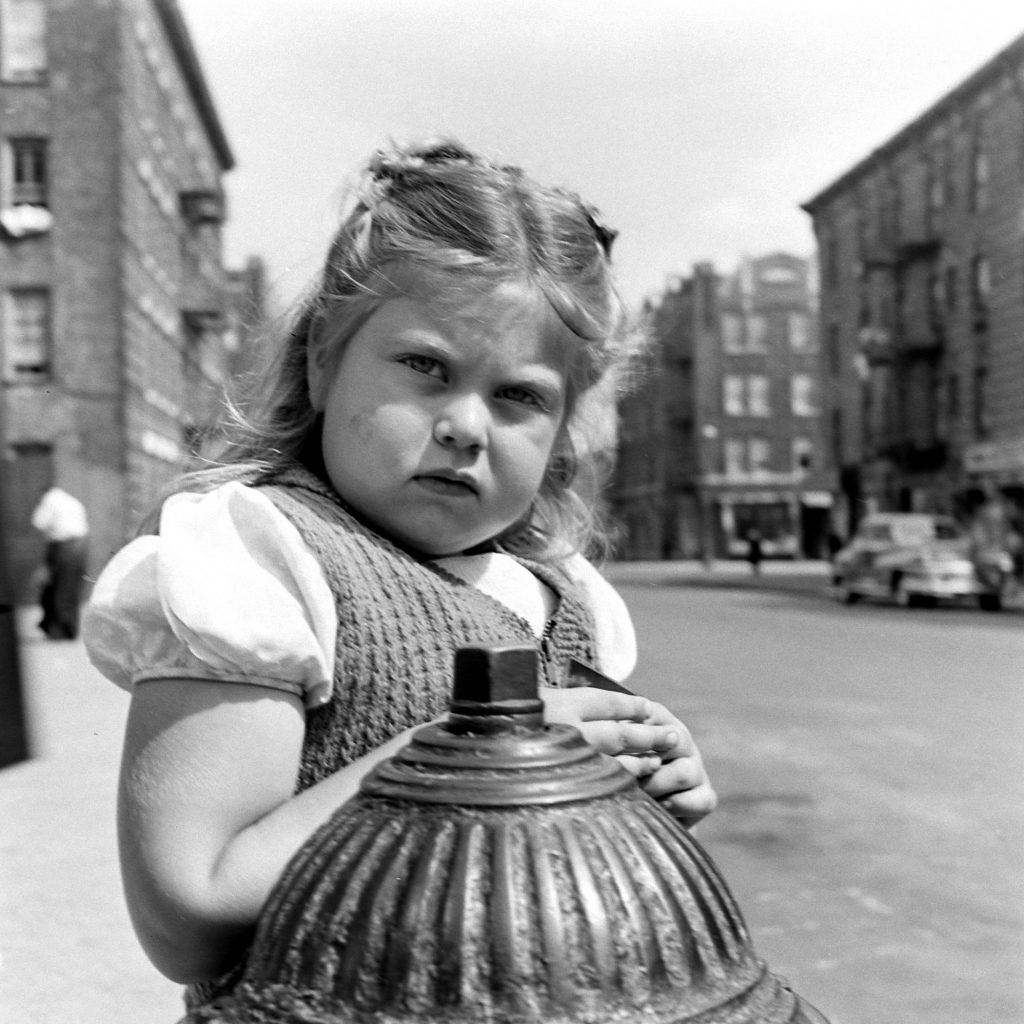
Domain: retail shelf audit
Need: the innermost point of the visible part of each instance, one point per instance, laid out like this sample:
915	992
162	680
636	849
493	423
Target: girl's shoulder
613	625
225	590
612	621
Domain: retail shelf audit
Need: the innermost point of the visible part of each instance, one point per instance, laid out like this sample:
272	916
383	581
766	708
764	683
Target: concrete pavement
67	951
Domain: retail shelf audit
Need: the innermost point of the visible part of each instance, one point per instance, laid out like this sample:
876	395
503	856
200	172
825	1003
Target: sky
697	128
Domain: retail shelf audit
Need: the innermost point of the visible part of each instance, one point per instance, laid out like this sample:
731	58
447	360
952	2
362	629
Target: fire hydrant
499	870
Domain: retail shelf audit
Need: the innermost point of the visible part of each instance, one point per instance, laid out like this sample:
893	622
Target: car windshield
915	530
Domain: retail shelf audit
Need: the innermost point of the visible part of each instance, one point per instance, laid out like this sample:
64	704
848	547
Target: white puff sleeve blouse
229	591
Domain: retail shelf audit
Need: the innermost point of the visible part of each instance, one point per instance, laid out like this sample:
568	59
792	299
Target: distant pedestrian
417	480
754	551
61	518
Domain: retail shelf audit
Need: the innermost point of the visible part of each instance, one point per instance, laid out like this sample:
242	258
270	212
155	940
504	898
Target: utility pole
13	728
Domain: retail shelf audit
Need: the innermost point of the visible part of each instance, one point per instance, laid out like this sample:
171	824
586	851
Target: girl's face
439	422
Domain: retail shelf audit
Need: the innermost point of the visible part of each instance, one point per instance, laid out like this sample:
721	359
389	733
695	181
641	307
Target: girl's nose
462	424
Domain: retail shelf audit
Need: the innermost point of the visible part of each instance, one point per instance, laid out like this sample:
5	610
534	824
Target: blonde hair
439	216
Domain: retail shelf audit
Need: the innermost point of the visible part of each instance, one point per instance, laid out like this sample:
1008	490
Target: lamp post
14	745
709	436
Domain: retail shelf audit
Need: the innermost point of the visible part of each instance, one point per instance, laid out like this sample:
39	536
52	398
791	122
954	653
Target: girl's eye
521	396
424	364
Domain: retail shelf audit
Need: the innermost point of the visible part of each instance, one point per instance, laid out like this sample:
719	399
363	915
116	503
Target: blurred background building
922	306
120	324
726	436
793	408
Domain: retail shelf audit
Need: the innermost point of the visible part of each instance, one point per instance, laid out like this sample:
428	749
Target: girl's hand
646	739
620	724
680	783
683	788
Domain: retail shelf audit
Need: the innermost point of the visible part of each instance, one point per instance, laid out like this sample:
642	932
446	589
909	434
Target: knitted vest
400	621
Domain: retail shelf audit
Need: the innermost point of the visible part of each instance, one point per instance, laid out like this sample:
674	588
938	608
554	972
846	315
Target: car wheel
905	597
843	593
990	602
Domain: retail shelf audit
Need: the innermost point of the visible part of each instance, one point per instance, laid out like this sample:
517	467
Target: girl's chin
452	547
435	547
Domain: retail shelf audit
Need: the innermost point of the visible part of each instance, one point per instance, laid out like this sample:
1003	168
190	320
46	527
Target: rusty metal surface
501	870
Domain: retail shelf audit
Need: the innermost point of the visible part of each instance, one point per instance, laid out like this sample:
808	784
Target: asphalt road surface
870	766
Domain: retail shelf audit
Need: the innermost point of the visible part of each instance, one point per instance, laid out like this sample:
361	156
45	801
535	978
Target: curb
805	577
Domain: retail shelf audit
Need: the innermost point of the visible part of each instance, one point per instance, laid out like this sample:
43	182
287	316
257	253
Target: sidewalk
67	951
808	576
804	574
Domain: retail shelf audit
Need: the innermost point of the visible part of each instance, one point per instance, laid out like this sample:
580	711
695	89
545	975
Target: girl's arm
207	816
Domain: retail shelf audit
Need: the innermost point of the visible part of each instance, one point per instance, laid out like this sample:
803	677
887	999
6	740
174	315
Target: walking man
61	518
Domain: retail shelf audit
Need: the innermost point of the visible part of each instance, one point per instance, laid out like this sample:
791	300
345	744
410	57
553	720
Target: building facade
652	495
111	276
922	306
727	437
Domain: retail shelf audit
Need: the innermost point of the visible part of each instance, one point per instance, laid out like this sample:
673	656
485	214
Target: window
744	334
735	457
732	395
26	335
757	396
979	180
803	454
23	40
936	191
745	457
801	338
757	333
746	395
803	395
28	172
759	454
981	281
732	333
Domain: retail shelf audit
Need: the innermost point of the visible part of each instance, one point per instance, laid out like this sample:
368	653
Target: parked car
918	559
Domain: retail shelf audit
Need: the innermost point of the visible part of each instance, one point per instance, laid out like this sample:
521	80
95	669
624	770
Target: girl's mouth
448	485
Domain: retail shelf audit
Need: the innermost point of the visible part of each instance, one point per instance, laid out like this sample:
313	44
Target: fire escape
902	341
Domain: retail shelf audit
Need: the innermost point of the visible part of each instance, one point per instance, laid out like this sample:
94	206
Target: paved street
869	761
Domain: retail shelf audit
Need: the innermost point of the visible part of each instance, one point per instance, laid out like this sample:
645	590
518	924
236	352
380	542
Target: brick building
651	496
111	279
726	436
922	305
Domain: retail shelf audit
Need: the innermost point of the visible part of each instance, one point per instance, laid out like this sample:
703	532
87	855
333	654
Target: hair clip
605	235
393	165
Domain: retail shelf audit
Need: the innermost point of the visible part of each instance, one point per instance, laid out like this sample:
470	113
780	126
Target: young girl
419	477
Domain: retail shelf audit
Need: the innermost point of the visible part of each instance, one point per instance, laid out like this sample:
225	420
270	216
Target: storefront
790	523
995	470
